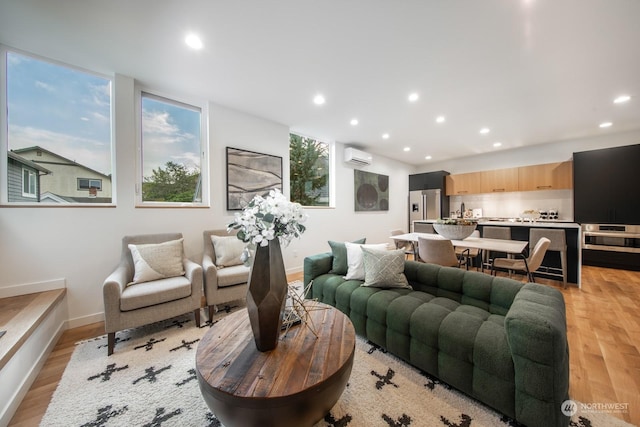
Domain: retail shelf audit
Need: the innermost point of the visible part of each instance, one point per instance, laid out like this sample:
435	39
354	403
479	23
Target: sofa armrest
536	330
112	289
193	272
316	265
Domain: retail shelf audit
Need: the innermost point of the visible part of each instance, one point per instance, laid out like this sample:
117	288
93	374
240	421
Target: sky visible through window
60	109
170	132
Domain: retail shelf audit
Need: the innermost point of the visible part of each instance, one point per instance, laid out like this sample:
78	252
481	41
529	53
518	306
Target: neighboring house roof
20	159
49	196
63	159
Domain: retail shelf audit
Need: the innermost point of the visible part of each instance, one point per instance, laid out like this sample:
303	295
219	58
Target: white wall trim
84	320
31	288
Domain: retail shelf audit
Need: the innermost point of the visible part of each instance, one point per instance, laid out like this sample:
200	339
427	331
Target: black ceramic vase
266	295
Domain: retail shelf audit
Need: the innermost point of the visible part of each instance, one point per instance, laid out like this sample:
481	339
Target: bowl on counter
455	231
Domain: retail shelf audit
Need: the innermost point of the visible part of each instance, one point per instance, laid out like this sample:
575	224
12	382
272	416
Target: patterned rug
150	381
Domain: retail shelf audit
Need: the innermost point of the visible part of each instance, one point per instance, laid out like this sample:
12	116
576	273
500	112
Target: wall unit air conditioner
357	157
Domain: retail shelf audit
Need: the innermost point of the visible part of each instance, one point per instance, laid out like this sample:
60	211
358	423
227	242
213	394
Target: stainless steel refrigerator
424	205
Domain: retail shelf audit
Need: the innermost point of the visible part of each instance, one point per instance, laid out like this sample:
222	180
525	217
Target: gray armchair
221	284
128	306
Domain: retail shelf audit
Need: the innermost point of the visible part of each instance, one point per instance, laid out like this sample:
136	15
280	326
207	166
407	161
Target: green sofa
498	340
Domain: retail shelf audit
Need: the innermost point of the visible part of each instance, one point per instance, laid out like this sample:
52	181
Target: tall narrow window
309	170
58	123
171	151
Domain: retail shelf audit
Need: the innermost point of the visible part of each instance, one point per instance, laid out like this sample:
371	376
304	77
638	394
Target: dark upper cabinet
427	181
607	185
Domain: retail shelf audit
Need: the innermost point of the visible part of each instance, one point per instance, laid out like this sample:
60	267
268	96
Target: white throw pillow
355	264
228	250
384	269
153	261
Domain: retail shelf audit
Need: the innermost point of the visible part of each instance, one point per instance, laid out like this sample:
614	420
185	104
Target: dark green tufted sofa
498	340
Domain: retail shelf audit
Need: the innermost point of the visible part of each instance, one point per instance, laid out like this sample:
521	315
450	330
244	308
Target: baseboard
294	270
85	320
31	288
22	370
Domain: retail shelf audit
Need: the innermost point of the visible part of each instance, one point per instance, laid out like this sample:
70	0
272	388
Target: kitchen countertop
517	223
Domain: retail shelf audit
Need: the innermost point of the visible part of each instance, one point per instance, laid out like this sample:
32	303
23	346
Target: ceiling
532	71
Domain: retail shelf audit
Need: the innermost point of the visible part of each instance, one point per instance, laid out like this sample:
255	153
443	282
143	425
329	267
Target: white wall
82	244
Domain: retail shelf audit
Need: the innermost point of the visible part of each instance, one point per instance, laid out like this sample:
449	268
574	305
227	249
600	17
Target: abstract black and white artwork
250	174
371	191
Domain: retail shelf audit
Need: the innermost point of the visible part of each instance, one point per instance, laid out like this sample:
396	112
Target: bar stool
489	232
558	244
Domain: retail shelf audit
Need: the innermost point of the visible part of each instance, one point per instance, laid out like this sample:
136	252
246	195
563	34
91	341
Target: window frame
331	146
188	103
33	178
4	130
89	180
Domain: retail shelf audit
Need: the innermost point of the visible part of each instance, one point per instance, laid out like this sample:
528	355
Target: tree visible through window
171	147
309	170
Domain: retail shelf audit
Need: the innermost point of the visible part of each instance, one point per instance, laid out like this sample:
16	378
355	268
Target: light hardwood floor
603	331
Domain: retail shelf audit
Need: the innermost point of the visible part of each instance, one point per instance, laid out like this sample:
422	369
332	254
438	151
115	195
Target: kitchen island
520	231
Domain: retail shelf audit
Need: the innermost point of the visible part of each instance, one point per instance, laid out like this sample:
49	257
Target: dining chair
558	244
406	245
489	232
526	265
438	251
468	255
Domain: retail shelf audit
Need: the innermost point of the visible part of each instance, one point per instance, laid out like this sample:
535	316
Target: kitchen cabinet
499	180
463	184
549	176
428	181
605	185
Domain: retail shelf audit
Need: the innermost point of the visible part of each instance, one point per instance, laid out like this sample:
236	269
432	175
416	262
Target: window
59	122
86	184
309	170
29	183
171	151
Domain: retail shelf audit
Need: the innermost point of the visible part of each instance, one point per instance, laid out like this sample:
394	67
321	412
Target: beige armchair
129	305
524	265
222	284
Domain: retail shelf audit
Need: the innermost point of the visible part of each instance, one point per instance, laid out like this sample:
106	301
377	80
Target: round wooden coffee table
294	385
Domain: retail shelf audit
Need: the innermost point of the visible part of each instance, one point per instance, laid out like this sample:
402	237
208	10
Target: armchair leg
211	310
111	343
196	314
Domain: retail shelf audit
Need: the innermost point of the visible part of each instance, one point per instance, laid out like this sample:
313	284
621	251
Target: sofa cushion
228	250
339	252
384	268
355	260
152	293
153	261
234	275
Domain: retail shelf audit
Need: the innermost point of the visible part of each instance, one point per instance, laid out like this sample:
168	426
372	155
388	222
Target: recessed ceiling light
407	148
354	122
497	144
193	41
485	131
621	99
440	119
318	99
413	97
606	124
385	136
427	157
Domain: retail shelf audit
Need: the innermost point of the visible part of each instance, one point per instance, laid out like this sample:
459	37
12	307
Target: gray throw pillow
384	269
339	252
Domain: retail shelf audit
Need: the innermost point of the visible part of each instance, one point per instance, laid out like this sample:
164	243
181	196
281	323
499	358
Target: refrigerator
424	205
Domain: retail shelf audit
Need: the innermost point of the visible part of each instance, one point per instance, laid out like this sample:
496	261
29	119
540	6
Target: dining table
510	247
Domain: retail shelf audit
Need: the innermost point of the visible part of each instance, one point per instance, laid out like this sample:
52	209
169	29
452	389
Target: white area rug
150	381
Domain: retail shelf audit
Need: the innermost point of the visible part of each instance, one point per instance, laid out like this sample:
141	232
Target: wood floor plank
603	329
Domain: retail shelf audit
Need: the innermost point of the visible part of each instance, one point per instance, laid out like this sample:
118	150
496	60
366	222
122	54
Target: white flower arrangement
266	218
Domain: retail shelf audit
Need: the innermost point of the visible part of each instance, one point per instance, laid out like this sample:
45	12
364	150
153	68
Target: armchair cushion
153	261
152	293
231	276
228	250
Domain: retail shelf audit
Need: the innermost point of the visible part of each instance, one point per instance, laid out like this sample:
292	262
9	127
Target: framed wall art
250	174
371	191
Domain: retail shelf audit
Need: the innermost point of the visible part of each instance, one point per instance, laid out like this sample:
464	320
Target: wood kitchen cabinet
549	176
499	180
463	183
